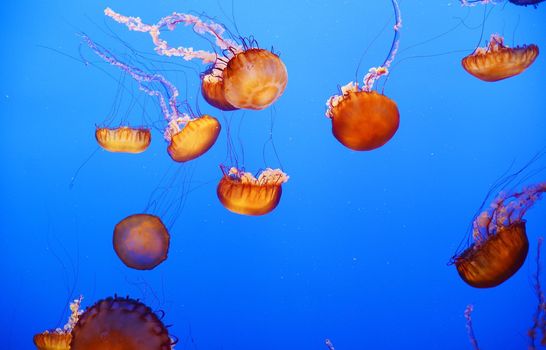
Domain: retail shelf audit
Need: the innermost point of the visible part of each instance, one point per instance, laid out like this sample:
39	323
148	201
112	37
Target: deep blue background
356	250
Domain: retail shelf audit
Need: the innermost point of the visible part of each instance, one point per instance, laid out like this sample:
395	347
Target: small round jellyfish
500	241
245	77
194	139
141	241
120	324
124	139
362	119
242	193
498	61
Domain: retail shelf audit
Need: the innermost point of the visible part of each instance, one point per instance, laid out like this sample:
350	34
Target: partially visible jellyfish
363	119
243	193
141	241
123	139
59	339
189	135
500	241
515	2
120	324
526	2
245	76
498	61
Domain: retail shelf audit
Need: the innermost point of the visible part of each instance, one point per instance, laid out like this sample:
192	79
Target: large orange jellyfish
120	324
141	241
500	241
123	139
243	193
362	119
189	135
59	339
244	77
498	61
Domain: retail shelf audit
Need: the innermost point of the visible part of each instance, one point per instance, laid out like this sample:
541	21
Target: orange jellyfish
243	193
124	139
190	138
500	240
141	241
362	119
245	77
59	339
120	324
498	61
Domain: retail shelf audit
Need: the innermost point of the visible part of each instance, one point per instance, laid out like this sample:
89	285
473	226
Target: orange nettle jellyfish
59	339
244	76
498	61
243	193
120	324
189	135
141	241
362	119
500	241
123	139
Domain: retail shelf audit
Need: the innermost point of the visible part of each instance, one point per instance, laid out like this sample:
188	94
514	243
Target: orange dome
212	88
52	340
242	193
141	241
254	79
120	324
195	138
124	139
495	260
363	121
497	61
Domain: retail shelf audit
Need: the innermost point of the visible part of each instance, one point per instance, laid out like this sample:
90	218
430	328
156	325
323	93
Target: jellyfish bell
189	138
124	139
141	241
242	193
498	61
121	324
254	79
52	340
362	120
499	257
500	244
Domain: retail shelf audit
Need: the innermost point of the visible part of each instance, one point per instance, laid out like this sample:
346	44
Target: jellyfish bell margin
141	241
498	61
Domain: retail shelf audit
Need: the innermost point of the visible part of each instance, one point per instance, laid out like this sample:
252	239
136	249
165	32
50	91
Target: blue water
357	249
